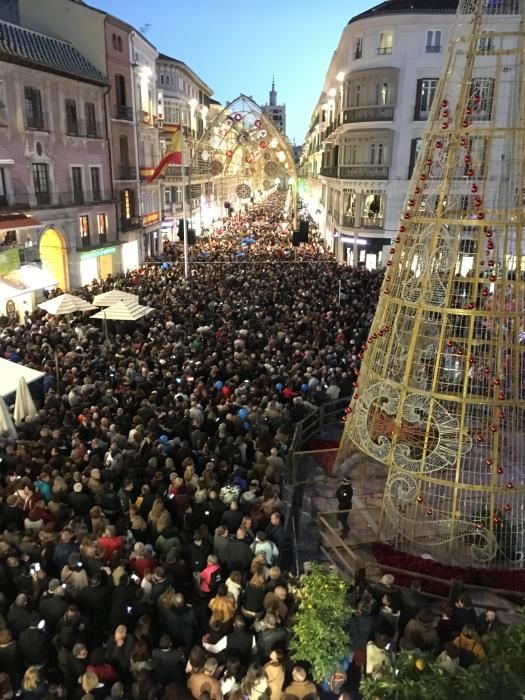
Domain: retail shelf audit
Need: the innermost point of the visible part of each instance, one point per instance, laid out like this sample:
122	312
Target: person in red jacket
110	542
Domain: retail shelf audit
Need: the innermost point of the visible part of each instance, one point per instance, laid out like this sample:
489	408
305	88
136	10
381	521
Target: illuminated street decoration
440	393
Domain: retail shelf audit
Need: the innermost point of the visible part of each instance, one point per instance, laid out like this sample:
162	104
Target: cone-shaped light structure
441	390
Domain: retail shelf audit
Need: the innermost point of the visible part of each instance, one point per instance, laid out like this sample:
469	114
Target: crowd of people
389	619
143	548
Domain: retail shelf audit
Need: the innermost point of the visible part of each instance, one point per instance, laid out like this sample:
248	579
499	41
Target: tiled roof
40	50
396	7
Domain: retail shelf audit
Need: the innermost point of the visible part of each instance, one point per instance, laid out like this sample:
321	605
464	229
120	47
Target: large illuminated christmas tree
440	396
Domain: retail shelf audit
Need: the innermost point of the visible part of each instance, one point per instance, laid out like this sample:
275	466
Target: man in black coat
53	604
275	530
239	555
271	637
168	663
179	622
33	642
19	615
80	500
238	643
344	495
197	554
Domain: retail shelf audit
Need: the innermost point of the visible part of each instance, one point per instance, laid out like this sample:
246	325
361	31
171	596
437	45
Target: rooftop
18	44
398	7
184	66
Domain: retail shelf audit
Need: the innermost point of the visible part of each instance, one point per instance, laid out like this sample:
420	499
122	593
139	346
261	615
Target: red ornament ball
465	124
444	103
439	144
507	507
469	172
510	485
406	215
500	470
489	461
493	278
444	126
474	188
429	511
419	499
402	229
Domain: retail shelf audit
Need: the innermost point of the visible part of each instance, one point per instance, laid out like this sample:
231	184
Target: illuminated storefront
97	264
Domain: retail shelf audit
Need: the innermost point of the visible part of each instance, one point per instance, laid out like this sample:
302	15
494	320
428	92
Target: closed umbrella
6	422
66	304
113	297
24	404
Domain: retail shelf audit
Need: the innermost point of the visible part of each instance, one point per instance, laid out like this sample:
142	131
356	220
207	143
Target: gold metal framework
441	392
241	152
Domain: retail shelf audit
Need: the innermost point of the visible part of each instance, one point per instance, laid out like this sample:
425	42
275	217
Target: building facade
365	131
55	156
184	100
275	111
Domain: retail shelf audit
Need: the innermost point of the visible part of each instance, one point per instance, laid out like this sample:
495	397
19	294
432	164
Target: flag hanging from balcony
173	155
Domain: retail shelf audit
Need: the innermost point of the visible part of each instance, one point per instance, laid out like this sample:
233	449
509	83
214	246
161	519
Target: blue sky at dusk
235	47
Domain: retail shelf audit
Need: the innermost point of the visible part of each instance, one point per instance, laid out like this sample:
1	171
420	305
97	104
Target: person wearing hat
344	495
420	633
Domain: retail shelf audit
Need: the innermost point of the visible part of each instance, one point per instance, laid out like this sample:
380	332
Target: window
41	183
426	91
102	224
386	40
33	108
415	147
91	120
78	192
486	43
162	78
358	47
71	117
2	99
120	89
376	154
382	94
124	150
114	39
84	231
433	44
3	191
167	196
127	201
95	185
481	97
119	43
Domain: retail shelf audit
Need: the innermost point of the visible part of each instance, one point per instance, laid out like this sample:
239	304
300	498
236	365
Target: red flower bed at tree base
492	578
327	461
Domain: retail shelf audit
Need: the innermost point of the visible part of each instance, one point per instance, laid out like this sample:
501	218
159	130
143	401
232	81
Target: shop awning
28	278
10	373
13	221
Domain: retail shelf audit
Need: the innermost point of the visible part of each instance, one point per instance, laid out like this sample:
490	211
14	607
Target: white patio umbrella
66	304
24	404
6	421
124	311
113	297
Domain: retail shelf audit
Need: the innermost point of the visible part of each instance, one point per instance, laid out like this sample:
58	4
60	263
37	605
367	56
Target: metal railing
374	113
364	172
39	200
126	172
124	112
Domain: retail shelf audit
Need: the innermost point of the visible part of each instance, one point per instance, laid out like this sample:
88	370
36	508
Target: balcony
432	49
372	221
328	171
176	171
21	201
126	172
364	172
129	223
124	112
348	221
378	113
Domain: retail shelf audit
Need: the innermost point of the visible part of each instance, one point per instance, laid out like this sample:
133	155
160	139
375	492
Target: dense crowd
143	536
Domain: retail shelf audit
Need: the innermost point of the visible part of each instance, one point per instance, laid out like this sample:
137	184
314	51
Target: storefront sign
97	253
9	260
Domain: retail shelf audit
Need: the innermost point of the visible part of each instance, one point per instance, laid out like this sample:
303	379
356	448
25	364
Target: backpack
215	580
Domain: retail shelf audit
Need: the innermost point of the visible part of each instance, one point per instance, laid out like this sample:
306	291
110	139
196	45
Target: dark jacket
197	555
361	629
34	646
168	666
269	639
420	635
239	556
344	495
52	608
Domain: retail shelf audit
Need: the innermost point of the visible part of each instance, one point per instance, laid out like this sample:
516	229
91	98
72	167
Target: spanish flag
173	155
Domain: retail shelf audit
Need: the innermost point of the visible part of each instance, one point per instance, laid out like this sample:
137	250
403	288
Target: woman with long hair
275	672
255	684
34	686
